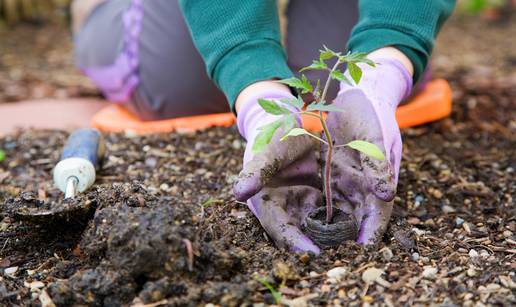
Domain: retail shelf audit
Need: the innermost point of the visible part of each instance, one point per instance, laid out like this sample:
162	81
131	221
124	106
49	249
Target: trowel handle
81	156
86	144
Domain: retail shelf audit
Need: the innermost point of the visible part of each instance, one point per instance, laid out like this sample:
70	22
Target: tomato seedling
316	108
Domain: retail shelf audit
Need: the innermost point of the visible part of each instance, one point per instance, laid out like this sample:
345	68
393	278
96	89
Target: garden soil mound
162	224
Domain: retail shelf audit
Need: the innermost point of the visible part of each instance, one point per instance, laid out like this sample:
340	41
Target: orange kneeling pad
431	104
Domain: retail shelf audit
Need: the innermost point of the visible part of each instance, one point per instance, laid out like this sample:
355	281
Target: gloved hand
280	184
364	186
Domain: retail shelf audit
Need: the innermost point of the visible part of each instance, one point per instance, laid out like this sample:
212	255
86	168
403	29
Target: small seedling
275	293
317	108
2	155
211	201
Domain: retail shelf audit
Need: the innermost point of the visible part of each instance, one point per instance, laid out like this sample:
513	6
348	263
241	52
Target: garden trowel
74	173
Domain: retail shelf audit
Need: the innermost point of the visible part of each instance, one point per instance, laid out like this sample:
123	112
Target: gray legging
171	76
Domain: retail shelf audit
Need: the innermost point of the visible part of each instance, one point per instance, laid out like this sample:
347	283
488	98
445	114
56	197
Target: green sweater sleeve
238	40
409	25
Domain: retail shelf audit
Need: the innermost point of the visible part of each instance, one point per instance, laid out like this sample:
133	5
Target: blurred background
36	51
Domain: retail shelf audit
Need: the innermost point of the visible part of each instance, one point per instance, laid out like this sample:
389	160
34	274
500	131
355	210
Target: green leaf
367	148
327	54
301	131
289	122
355	72
295	132
265	135
302	84
2	155
316	65
356	57
293	82
338	75
275	294
295	102
323	107
306	84
271	107
212	201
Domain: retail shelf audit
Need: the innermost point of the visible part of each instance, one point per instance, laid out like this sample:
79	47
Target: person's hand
281	183
364	186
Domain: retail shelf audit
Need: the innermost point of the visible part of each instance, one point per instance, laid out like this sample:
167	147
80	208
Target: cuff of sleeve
372	39
249	63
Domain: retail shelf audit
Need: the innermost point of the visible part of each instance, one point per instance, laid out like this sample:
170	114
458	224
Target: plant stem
329	154
327	172
327	85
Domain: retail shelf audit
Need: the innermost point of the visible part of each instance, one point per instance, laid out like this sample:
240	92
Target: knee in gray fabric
100	38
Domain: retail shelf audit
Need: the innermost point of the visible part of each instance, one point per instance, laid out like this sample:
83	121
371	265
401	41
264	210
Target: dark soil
162	224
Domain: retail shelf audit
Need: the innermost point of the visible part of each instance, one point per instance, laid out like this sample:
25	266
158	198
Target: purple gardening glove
280	184
364	186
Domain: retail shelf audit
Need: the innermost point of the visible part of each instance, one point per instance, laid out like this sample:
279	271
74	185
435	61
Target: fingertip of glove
306	247
384	191
245	188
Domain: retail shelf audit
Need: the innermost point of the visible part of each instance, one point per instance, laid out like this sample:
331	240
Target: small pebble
448	209
430	272
387	253
335	275
437	194
493	287
198	146
237	144
35	285
414	221
372	274
471	272
11	270
467	227
418	231
418	200
473	253
415	256
483	253
459	221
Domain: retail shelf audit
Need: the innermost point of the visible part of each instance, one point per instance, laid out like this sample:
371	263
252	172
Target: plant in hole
317	108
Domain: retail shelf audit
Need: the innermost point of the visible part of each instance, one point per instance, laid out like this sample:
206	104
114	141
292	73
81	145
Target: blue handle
86	144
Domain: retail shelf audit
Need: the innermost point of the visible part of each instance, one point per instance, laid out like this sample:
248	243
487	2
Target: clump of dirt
141	243
30	208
